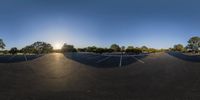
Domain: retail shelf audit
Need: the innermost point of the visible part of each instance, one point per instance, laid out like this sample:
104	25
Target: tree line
192	46
43	48
35	48
112	48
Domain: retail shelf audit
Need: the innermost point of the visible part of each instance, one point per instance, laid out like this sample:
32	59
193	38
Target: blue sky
154	23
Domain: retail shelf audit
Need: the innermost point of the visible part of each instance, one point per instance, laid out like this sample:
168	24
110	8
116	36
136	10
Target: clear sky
154	23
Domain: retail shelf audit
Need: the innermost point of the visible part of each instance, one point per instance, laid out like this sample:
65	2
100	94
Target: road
55	77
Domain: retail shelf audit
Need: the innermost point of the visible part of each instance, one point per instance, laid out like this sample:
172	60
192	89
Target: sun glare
57	45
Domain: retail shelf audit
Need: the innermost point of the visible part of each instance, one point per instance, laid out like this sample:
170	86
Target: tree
115	47
5	52
13	50
42	47
82	49
68	48
28	49
2	44
152	50
194	44
178	47
144	49
91	49
100	50
108	50
130	47
123	48
133	50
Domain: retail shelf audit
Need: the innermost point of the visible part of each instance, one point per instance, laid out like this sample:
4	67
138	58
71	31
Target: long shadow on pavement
102	61
185	57
17	58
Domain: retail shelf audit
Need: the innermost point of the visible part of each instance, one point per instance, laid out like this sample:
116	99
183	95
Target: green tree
144	49
133	50
2	44
91	49
28	49
194	44
42	47
130	47
5	52
100	50
152	50
123	48
178	47
82	49
68	48
108	50
13	50
115	47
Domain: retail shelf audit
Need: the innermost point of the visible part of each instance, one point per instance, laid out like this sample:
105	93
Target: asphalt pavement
160	76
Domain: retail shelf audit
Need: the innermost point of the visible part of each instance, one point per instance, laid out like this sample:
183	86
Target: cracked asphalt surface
55	77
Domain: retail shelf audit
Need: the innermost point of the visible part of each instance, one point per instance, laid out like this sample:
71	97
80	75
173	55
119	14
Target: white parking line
138	59
120	61
103	59
11	57
127	55
25	57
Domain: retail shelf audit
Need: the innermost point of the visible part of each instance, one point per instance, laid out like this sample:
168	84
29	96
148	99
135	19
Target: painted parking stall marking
138	59
120	61
25	58
101	60
106	60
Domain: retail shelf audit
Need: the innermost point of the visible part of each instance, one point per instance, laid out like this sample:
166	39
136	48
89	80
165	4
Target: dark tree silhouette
144	49
194	44
92	49
42	47
178	47
37	48
28	49
68	48
2	44
123	48
13	50
115	47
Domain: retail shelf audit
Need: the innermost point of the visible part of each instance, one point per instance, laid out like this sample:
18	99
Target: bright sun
57	45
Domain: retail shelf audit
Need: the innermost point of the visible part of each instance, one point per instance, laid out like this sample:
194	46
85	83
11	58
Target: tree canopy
42	47
38	48
178	47
13	50
68	48
144	47
28	49
194	44
2	44
115	47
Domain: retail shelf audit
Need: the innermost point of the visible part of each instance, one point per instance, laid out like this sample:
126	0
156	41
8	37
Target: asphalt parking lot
17	58
162	76
105	61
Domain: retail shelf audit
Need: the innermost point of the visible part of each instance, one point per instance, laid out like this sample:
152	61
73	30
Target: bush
68	48
134	51
152	50
82	49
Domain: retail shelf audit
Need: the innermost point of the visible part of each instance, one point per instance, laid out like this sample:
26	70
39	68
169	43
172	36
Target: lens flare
57	45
